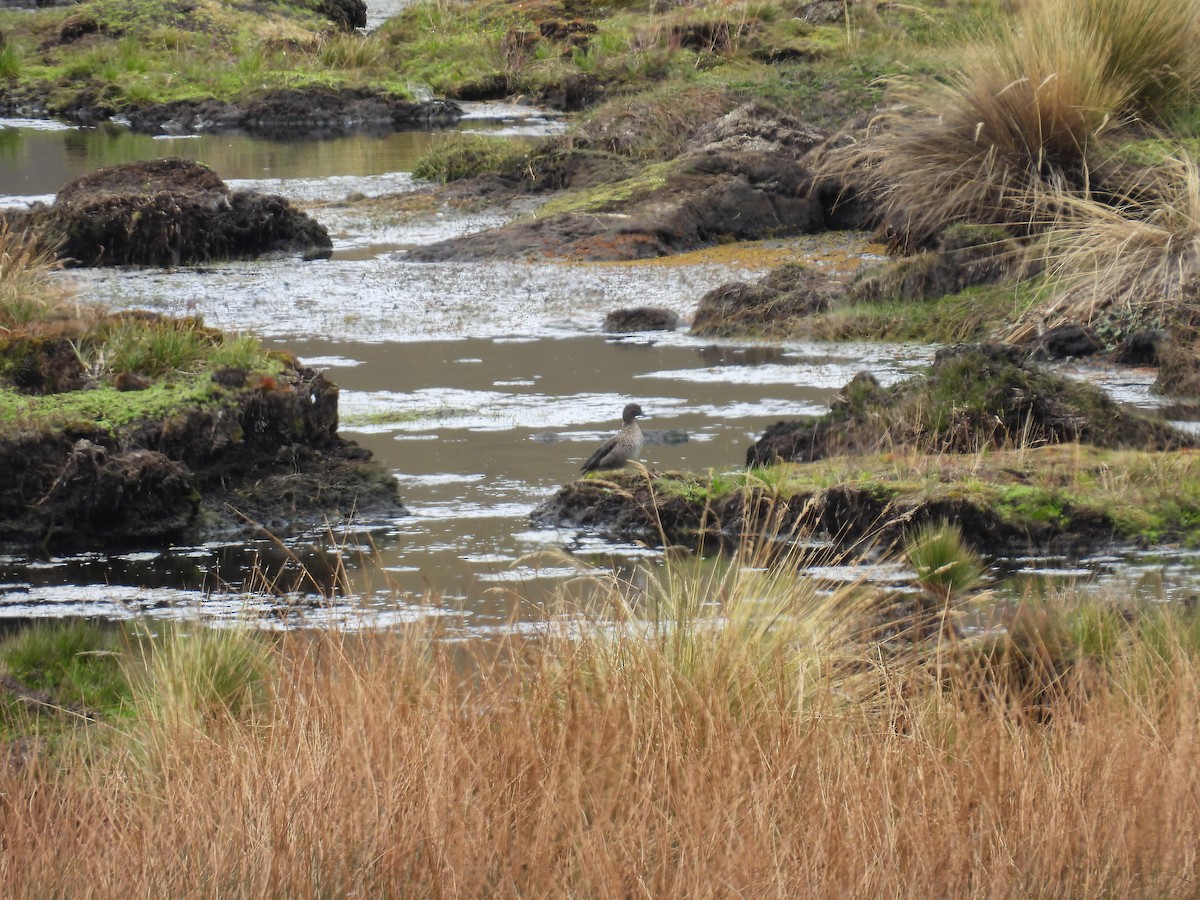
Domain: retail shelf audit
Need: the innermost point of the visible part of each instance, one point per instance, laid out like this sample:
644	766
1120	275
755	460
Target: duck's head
631	412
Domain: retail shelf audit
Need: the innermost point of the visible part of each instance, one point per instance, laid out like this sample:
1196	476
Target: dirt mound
172	212
975	397
739	179
965	256
773	304
267	454
707	200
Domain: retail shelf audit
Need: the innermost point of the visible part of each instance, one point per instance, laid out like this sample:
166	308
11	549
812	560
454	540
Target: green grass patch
973	314
1147	497
64	674
468	155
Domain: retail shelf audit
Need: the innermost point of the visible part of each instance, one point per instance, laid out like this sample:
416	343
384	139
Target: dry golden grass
27	295
609	763
1130	261
1017	127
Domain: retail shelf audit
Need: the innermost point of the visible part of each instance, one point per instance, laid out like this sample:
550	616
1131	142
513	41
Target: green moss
602	197
1034	504
129	346
972	314
1145	497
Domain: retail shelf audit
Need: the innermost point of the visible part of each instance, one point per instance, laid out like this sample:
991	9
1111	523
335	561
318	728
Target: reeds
728	732
27	293
1130	260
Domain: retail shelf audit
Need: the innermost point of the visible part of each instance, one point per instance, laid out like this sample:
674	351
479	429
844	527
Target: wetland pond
481	385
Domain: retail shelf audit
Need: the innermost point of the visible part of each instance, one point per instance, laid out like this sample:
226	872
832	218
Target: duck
623	446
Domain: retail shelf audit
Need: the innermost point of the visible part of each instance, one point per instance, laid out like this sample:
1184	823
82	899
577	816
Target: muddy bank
740	177
308	113
260	450
848	518
975	397
168	212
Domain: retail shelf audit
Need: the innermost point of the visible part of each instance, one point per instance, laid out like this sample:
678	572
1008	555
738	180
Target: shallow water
482	386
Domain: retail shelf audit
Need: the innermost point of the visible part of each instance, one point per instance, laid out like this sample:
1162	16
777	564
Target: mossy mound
142	429
1064	498
773	305
225	456
964	256
975	397
171	212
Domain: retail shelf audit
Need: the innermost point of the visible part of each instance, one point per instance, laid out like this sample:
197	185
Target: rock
975	397
641	318
1065	341
1141	348
756	128
774	304
823	12
171	212
668	437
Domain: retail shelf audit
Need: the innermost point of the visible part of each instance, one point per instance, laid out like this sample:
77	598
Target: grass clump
946	567
198	676
466	156
27	294
1026	120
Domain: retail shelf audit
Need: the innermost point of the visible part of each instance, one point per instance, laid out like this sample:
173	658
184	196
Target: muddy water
482	386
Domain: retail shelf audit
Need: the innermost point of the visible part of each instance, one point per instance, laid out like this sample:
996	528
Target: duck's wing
596	460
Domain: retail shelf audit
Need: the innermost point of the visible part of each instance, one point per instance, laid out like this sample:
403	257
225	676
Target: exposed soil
170	212
266	453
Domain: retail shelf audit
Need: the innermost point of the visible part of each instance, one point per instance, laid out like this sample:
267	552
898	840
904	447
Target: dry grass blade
1128	261
1016	129
28	296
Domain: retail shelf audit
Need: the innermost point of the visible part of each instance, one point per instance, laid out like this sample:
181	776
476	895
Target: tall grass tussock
1026	121
734	732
